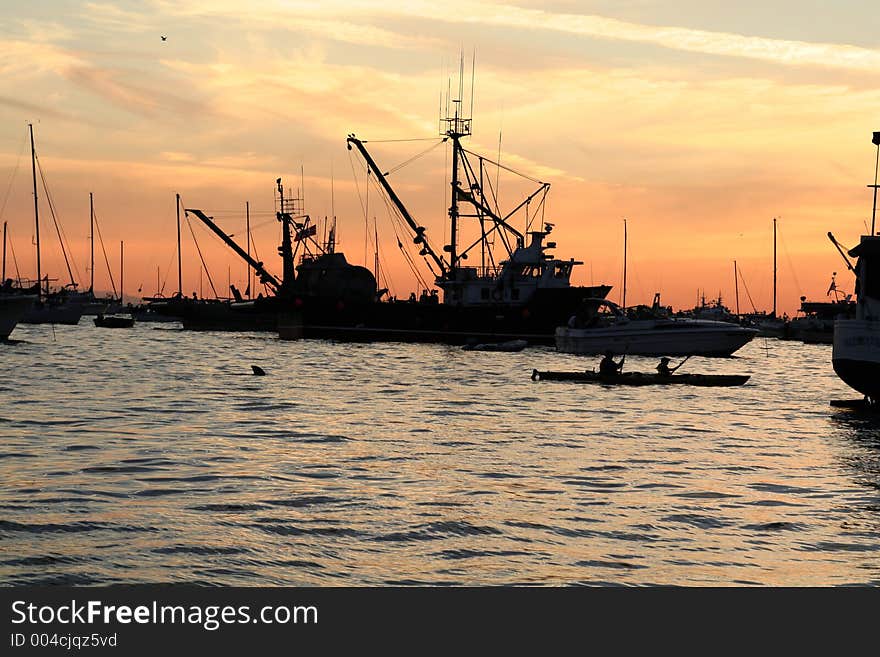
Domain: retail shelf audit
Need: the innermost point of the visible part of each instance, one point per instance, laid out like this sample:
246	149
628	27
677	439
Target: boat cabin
528	269
867	272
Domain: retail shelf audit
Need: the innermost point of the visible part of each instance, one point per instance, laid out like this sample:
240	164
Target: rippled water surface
151	455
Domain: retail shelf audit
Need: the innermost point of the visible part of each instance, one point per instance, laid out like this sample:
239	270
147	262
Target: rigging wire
12	177
788	258
204	266
502	166
15	262
62	238
106	259
748	294
394	214
415	157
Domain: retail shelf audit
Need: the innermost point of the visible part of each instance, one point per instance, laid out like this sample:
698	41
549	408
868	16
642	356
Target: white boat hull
671	337
13	308
856	354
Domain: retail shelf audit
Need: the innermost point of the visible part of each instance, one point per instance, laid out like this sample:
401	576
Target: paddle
680	364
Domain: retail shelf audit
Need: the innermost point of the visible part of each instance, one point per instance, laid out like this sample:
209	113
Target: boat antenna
36	209
473	75
876	141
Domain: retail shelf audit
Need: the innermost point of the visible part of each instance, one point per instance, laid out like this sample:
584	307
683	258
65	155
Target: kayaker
663	368
608	366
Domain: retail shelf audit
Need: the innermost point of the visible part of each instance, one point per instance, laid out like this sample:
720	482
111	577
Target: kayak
510	345
643	378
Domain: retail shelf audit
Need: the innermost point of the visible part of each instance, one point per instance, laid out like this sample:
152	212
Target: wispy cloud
358	15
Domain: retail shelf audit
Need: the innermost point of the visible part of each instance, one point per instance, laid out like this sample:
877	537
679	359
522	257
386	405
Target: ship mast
92	242
179	265
774	267
36	210
457	127
876	141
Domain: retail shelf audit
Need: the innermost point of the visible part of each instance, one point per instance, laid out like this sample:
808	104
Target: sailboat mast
247	211
121	273
876	141
179	265
36	209
623	303
736	287
4	253
92	240
774	267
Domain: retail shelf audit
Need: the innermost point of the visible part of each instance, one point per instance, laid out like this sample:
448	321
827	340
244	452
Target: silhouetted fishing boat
643	378
520	293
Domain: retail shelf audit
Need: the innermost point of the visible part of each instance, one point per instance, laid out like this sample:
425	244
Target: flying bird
163	37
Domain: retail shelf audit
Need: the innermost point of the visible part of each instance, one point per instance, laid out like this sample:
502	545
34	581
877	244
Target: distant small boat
644	378
114	321
510	345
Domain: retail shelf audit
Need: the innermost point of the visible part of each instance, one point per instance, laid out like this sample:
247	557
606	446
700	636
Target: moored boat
114	321
644	378
601	326
856	351
13	308
510	345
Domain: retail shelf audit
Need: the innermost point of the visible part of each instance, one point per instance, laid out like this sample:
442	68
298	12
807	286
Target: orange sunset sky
697	121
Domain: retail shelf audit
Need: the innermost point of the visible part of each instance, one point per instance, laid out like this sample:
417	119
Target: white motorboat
603	326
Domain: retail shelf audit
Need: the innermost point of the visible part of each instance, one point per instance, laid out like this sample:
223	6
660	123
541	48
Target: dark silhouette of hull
327	317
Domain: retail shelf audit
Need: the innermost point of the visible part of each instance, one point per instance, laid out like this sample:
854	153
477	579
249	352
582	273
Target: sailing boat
92	305
768	324
50	308
116	320
13	304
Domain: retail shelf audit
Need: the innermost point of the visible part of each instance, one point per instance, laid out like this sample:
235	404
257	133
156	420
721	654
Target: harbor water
152	455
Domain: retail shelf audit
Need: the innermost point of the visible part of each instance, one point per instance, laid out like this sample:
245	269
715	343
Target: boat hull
418	321
48	313
856	355
673	337
13	308
402	321
114	322
644	379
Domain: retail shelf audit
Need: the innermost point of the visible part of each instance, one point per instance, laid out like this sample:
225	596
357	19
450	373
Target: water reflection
144	457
